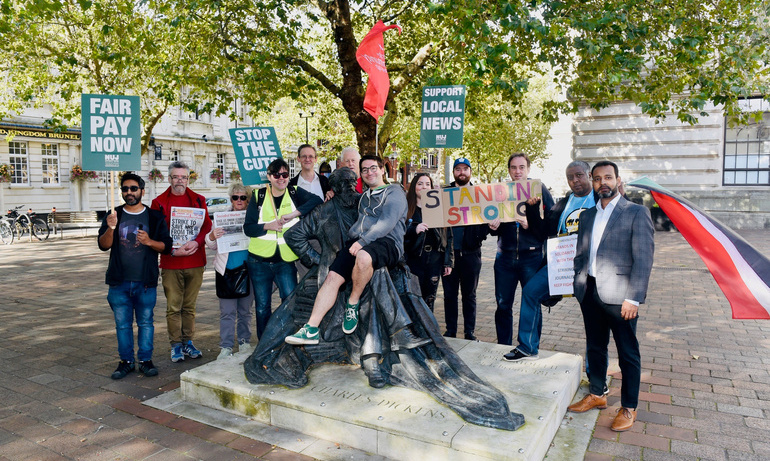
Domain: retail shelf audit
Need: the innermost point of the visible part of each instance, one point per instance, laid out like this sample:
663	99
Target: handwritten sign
234	238
561	268
185	224
255	148
478	204
111	132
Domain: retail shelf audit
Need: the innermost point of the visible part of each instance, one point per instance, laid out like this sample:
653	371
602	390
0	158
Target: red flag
740	270
371	58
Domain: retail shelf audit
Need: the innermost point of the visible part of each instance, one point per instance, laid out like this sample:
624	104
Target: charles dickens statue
396	339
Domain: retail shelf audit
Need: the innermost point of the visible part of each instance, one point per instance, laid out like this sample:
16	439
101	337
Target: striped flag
742	272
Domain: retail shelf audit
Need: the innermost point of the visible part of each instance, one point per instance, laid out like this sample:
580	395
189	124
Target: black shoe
372	369
471	337
124	367
517	355
148	369
450	335
405	339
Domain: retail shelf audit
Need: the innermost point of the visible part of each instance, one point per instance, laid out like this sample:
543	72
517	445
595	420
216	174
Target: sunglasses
129	188
238	197
283	175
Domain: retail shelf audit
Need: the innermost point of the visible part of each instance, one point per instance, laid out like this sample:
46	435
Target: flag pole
376	138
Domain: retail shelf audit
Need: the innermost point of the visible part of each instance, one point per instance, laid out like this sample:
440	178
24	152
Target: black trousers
465	276
599	319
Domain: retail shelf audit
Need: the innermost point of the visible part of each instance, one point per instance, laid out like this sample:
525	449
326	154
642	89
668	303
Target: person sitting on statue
376	240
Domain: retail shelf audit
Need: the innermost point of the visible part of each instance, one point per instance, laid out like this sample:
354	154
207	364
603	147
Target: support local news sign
443	116
478	204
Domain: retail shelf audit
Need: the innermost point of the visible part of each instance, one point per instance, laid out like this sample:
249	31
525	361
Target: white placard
234	238
561	268
185	224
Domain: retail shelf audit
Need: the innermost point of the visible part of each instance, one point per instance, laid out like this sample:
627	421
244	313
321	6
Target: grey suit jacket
624	256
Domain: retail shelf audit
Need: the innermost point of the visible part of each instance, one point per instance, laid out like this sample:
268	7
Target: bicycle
28	222
6	232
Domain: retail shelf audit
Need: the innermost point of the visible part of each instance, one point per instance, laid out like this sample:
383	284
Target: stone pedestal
398	423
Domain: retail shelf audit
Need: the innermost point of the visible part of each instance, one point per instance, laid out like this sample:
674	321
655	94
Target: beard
131	200
462	180
605	194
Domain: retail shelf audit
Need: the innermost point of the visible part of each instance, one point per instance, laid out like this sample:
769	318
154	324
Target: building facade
723	169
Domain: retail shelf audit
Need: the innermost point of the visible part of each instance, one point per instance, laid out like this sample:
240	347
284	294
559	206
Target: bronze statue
388	306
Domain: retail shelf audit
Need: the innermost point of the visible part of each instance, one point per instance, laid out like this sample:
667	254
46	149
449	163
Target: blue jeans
126	300
530	313
510	270
263	274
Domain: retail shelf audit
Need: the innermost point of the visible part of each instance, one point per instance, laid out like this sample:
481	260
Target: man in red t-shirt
182	270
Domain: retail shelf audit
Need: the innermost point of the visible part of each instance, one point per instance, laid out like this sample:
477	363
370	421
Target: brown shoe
624	420
589	401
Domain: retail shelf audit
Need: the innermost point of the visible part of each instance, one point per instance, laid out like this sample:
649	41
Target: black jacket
158	231
325	186
414	243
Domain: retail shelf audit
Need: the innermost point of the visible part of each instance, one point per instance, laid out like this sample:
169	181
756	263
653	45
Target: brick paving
705	383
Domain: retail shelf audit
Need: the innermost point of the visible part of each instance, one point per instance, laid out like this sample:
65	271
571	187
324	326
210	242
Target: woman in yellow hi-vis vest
271	212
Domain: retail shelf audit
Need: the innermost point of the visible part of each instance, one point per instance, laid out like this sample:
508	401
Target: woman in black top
426	249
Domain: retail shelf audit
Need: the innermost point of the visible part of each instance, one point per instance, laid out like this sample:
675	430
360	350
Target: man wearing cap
465	275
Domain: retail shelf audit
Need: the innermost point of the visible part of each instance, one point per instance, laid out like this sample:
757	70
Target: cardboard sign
185	224
111	136
234	238
443	116
561	268
255	148
478	204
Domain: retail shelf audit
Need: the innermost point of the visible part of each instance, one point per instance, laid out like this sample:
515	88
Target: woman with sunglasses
426	249
234	314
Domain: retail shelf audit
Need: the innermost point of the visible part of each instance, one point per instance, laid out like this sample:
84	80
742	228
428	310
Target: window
50	163
221	165
747	149
174	155
292	166
19	162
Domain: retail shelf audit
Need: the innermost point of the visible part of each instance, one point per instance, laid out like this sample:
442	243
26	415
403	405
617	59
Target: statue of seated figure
397	342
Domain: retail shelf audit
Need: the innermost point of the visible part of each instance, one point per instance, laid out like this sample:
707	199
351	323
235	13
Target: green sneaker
305	335
350	322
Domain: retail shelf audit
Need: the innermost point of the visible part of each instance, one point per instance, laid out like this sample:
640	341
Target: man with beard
135	235
612	270
561	219
182	270
467	267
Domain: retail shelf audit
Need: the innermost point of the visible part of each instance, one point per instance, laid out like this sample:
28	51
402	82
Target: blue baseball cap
461	161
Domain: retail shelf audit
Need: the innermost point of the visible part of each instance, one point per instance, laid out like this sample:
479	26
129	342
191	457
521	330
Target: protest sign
561	269
111	135
185	224
443	115
477	204
234	238
255	148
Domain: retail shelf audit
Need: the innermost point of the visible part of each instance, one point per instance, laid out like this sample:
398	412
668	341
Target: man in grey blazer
612	269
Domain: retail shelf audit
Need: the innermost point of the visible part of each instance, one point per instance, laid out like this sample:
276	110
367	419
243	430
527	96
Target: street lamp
307	132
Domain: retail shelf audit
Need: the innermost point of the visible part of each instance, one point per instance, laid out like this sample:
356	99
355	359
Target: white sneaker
225	352
245	349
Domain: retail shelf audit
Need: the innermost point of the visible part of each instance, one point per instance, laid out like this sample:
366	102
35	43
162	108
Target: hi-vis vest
264	246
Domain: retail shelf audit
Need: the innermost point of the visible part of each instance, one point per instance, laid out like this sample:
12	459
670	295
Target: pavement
705	377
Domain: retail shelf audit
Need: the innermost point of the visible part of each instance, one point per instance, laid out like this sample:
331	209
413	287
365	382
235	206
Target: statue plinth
338	405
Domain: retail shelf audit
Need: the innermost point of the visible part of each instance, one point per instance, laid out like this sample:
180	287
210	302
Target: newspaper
185	224
234	238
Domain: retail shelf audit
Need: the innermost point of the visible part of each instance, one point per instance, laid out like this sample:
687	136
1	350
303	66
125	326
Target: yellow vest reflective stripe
265	245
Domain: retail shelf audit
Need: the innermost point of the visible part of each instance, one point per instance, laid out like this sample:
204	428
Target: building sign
478	204
255	148
443	116
111	133
37	132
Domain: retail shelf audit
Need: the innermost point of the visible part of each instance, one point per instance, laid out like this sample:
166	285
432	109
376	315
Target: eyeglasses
129	188
371	169
179	178
283	175
238	197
